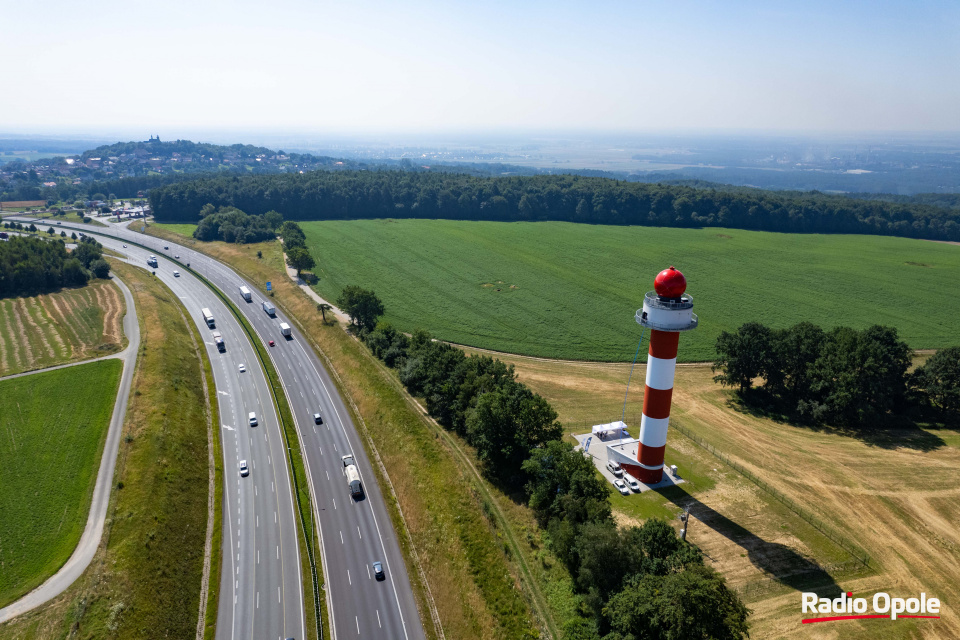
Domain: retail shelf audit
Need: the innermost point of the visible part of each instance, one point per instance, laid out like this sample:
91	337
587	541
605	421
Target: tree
74	273
507	424
859	375
323	307
743	356
273	219
363	307
292	235
796	349
940	379
51	231
694	604
300	259
563	483
100	268
73	236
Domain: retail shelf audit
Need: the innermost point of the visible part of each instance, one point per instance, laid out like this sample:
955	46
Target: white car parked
614	467
632	483
621	487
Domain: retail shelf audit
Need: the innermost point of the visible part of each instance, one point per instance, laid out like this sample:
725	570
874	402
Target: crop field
145	579
563	290
52	429
896	496
69	325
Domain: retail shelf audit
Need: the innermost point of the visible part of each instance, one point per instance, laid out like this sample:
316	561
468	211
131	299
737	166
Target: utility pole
684	517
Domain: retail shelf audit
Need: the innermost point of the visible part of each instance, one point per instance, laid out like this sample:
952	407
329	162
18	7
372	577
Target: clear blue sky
356	66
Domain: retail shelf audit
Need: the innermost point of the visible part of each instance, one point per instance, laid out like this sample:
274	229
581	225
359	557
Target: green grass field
563	290
52	429
182	229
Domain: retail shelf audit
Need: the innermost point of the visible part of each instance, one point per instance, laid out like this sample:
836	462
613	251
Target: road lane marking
358	624
341	537
334	503
378	619
358	532
349	581
368	572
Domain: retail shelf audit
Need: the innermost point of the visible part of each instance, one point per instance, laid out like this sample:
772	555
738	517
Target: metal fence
858	554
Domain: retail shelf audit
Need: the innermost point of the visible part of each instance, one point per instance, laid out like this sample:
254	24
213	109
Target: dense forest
322	195
31	265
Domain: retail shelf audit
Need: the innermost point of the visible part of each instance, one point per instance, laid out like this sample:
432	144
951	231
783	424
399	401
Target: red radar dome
670	283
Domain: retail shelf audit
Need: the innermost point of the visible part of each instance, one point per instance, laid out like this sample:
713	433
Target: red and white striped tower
666	312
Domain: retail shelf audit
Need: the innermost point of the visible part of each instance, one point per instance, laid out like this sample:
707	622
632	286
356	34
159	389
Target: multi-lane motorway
260	590
355	533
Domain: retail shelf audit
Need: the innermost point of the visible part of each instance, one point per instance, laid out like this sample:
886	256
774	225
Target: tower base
644	475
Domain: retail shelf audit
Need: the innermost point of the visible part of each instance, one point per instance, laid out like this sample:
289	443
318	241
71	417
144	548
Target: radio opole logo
882	605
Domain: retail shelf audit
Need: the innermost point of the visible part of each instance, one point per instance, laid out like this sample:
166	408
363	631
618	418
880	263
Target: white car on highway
244	470
176	274
243	369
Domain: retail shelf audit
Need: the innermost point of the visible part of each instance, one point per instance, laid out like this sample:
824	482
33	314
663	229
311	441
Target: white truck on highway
245	294
152	261
353	476
285	329
269	308
208	318
218	339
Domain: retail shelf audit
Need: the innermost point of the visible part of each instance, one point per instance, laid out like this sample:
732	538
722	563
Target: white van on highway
253	419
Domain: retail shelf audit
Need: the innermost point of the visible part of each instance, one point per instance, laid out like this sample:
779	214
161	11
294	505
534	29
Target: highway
354	533
260	585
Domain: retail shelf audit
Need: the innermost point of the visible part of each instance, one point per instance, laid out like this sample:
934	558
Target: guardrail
283	429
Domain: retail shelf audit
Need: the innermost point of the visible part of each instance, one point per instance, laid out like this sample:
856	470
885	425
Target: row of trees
295	246
325	195
843	376
31	265
637	582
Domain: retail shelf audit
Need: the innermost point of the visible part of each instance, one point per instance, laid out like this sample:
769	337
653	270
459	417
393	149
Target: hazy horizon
436	69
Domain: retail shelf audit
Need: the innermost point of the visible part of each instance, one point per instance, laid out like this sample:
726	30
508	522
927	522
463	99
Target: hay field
55	328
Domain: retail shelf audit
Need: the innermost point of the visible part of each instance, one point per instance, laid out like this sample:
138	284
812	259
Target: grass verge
145	579
54	426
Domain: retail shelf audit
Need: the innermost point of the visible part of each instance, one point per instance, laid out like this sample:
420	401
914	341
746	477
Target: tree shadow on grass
775	560
886	432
